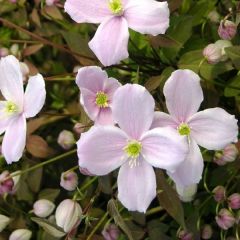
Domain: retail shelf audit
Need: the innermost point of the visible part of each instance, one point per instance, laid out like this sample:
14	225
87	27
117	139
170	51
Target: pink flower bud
207	232
225	219
3	52
219	193
184	235
43	208
51	2
234	201
227	30
20	234
111	232
6	183
228	154
69	180
68	215
212	53
78	128
66	139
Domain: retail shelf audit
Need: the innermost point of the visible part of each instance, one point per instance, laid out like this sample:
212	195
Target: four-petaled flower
133	146
97	93
110	43
17	106
212	129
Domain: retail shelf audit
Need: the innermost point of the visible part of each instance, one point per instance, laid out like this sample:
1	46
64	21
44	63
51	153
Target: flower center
133	149
11	107
102	99
116	7
184	129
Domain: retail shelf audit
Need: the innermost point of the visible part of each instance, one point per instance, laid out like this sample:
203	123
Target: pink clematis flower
97	93
133	146
212	129
110	42
17	106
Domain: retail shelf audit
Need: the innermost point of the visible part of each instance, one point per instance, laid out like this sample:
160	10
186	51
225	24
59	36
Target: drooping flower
18	106
97	92
110	42
227	30
212	129
132	146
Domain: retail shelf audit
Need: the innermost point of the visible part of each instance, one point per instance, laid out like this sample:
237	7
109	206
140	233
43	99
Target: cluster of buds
228	154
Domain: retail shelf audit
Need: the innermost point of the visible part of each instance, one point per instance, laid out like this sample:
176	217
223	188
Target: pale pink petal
147	17
164	148
183	94
136	185
91	78
91	11
101	149
162	119
4	119
213	128
14	140
88	101
133	109
11	81
110	87
35	96
104	117
110	43
190	171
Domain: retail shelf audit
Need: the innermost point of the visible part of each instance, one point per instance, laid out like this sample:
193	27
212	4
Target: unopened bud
78	128
66	139
228	154
51	2
20	234
227	30
111	232
76	68
225	219
6	183
219	193
43	208
186	193
14	49
234	201
4	221
222	44
68	215
207	232
185	235
212	53
69	180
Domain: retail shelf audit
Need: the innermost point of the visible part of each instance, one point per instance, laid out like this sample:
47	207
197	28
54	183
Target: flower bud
20	234
228	154
14	49
51	2
111	232
78	128
43	208
184	235
76	68
222	44
227	30
212	53
3	52
234	201
66	139
186	193
6	183
68	215
207	232
225	219
219	193
4	221
69	180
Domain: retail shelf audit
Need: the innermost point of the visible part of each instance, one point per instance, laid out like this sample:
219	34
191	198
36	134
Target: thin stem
154	210
88	184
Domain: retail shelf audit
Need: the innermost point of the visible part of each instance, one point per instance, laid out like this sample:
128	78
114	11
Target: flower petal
11	82
100	150
91	78
147	17
190	171
105	117
14	139
183	94
92	11
110	43
213	128
110	87
4	118
164	148
136	186
133	109
35	96
162	119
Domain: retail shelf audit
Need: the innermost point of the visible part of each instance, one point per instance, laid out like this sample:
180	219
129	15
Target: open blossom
97	93
133	147
18	106
110	42
212	129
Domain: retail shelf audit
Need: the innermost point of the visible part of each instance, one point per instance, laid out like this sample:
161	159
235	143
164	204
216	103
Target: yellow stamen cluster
101	100
116	7
184	129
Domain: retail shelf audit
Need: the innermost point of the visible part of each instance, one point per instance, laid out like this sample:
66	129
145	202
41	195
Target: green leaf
234	54
233	88
49	194
168	199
